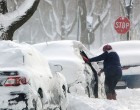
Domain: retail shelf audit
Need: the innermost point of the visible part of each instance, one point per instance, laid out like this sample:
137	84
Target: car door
94	82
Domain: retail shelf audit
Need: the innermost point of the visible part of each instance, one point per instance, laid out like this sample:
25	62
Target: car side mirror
56	68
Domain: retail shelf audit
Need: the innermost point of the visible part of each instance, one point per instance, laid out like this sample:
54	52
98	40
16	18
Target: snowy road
128	99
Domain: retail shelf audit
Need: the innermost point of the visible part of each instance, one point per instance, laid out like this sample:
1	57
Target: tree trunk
82	23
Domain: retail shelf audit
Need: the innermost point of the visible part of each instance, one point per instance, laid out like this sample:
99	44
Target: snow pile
127	99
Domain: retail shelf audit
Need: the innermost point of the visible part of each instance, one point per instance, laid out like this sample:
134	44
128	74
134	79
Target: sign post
122	25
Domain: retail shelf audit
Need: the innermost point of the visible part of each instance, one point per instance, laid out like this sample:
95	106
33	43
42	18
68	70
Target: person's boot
109	96
114	96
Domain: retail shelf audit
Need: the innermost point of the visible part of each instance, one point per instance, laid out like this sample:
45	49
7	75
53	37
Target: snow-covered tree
68	19
11	21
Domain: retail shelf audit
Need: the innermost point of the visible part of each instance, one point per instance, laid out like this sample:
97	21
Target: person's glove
85	59
125	68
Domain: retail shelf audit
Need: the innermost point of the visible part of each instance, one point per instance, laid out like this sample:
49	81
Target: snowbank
127	99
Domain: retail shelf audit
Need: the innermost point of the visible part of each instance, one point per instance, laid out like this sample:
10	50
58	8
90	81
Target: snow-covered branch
44	28
101	17
13	20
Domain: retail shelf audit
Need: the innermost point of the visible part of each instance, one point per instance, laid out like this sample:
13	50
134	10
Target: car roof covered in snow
129	51
14	54
65	49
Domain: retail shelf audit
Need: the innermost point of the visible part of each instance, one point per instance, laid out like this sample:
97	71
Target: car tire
60	108
57	108
88	91
37	104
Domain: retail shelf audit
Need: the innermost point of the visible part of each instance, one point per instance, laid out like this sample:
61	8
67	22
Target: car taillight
15	81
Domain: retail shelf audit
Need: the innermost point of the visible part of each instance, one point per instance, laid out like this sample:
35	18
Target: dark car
130	79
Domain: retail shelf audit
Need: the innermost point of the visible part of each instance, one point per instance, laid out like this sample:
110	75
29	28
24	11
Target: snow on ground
127	99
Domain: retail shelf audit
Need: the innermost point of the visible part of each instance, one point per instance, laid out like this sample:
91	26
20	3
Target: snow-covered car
129	52
81	77
26	80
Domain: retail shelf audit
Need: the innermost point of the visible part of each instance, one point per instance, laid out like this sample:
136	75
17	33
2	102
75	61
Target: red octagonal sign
122	25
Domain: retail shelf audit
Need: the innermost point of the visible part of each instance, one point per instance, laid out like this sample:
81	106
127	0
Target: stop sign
122	25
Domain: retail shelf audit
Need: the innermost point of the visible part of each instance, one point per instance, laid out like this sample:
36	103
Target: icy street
127	99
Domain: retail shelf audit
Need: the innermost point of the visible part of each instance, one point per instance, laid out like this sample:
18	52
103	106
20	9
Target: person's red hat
107	47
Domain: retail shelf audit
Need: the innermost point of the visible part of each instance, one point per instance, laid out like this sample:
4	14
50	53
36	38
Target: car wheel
64	90
88	91
58	108
37	104
63	106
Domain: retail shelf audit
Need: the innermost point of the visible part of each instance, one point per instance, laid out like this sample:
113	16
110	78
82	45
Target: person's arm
98	58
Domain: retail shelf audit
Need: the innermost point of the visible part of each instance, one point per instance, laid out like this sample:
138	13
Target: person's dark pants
111	82
112	76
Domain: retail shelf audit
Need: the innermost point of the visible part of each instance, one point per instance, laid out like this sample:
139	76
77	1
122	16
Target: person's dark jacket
111	61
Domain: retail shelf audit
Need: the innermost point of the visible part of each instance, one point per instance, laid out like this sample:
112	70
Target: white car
81	78
129	52
26	81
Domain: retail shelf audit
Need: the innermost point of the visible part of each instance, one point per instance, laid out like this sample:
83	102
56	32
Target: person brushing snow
112	69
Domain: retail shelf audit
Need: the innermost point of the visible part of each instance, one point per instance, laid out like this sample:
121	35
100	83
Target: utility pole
129	7
78	23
